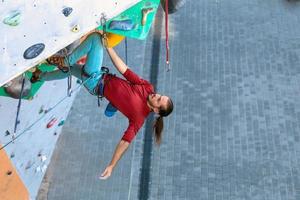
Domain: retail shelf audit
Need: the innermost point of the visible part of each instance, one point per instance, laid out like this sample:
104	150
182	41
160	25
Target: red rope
167	31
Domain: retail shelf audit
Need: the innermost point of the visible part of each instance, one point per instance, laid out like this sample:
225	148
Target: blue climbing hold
13	18
34	51
110	110
123	25
67	11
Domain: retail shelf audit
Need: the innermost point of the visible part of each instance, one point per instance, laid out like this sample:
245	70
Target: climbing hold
145	12
13	18
78	81
75	28
122	25
51	122
44	168
113	39
9	173
43	158
61	123
7	133
14	87
55	133
34	51
67	11
28	165
173	5
41	110
12	155
38	169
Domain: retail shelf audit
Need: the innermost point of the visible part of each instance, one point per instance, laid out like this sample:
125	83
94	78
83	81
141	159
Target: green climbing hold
41	110
61	123
13	18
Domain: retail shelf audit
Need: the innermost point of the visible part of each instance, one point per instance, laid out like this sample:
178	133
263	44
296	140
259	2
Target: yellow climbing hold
75	29
113	39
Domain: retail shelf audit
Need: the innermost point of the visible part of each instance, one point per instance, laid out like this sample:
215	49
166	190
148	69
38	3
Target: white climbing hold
44	168
43	158
38	169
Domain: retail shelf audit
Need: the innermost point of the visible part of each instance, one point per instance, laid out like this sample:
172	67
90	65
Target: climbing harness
167	35
39	119
98	89
18	109
100	85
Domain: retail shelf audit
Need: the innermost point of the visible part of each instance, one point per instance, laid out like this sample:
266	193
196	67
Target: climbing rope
167	34
51	109
126	45
18	109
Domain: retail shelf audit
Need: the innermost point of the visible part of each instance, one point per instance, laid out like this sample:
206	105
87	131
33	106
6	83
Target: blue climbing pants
92	47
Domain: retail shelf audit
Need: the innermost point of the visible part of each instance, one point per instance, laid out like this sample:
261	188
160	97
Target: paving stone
234	133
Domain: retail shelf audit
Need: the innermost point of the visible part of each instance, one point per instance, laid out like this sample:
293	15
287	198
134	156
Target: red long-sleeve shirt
130	98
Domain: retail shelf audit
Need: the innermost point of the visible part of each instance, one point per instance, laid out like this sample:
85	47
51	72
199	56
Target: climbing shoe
35	76
110	110
59	62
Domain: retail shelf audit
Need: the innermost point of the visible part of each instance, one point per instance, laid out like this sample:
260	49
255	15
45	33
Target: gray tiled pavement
235	132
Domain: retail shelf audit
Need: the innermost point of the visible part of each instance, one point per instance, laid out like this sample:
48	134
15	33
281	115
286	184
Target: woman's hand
99	31
106	173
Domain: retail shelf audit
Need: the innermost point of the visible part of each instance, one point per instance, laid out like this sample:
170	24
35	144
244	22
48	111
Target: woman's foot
59	62
35	75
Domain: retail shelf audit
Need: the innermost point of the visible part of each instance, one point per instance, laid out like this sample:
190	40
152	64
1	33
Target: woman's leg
92	47
58	74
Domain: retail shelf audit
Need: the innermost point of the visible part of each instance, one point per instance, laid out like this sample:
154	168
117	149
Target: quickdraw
103	24
18	110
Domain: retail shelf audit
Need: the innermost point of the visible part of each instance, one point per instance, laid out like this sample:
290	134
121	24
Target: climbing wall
33	30
40	123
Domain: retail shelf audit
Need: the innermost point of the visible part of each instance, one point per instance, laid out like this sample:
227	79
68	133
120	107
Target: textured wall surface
32	149
44	22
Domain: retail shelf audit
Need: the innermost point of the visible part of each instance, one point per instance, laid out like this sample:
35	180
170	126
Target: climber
134	97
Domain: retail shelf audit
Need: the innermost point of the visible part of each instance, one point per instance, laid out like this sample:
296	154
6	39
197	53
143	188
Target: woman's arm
117	61
120	150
